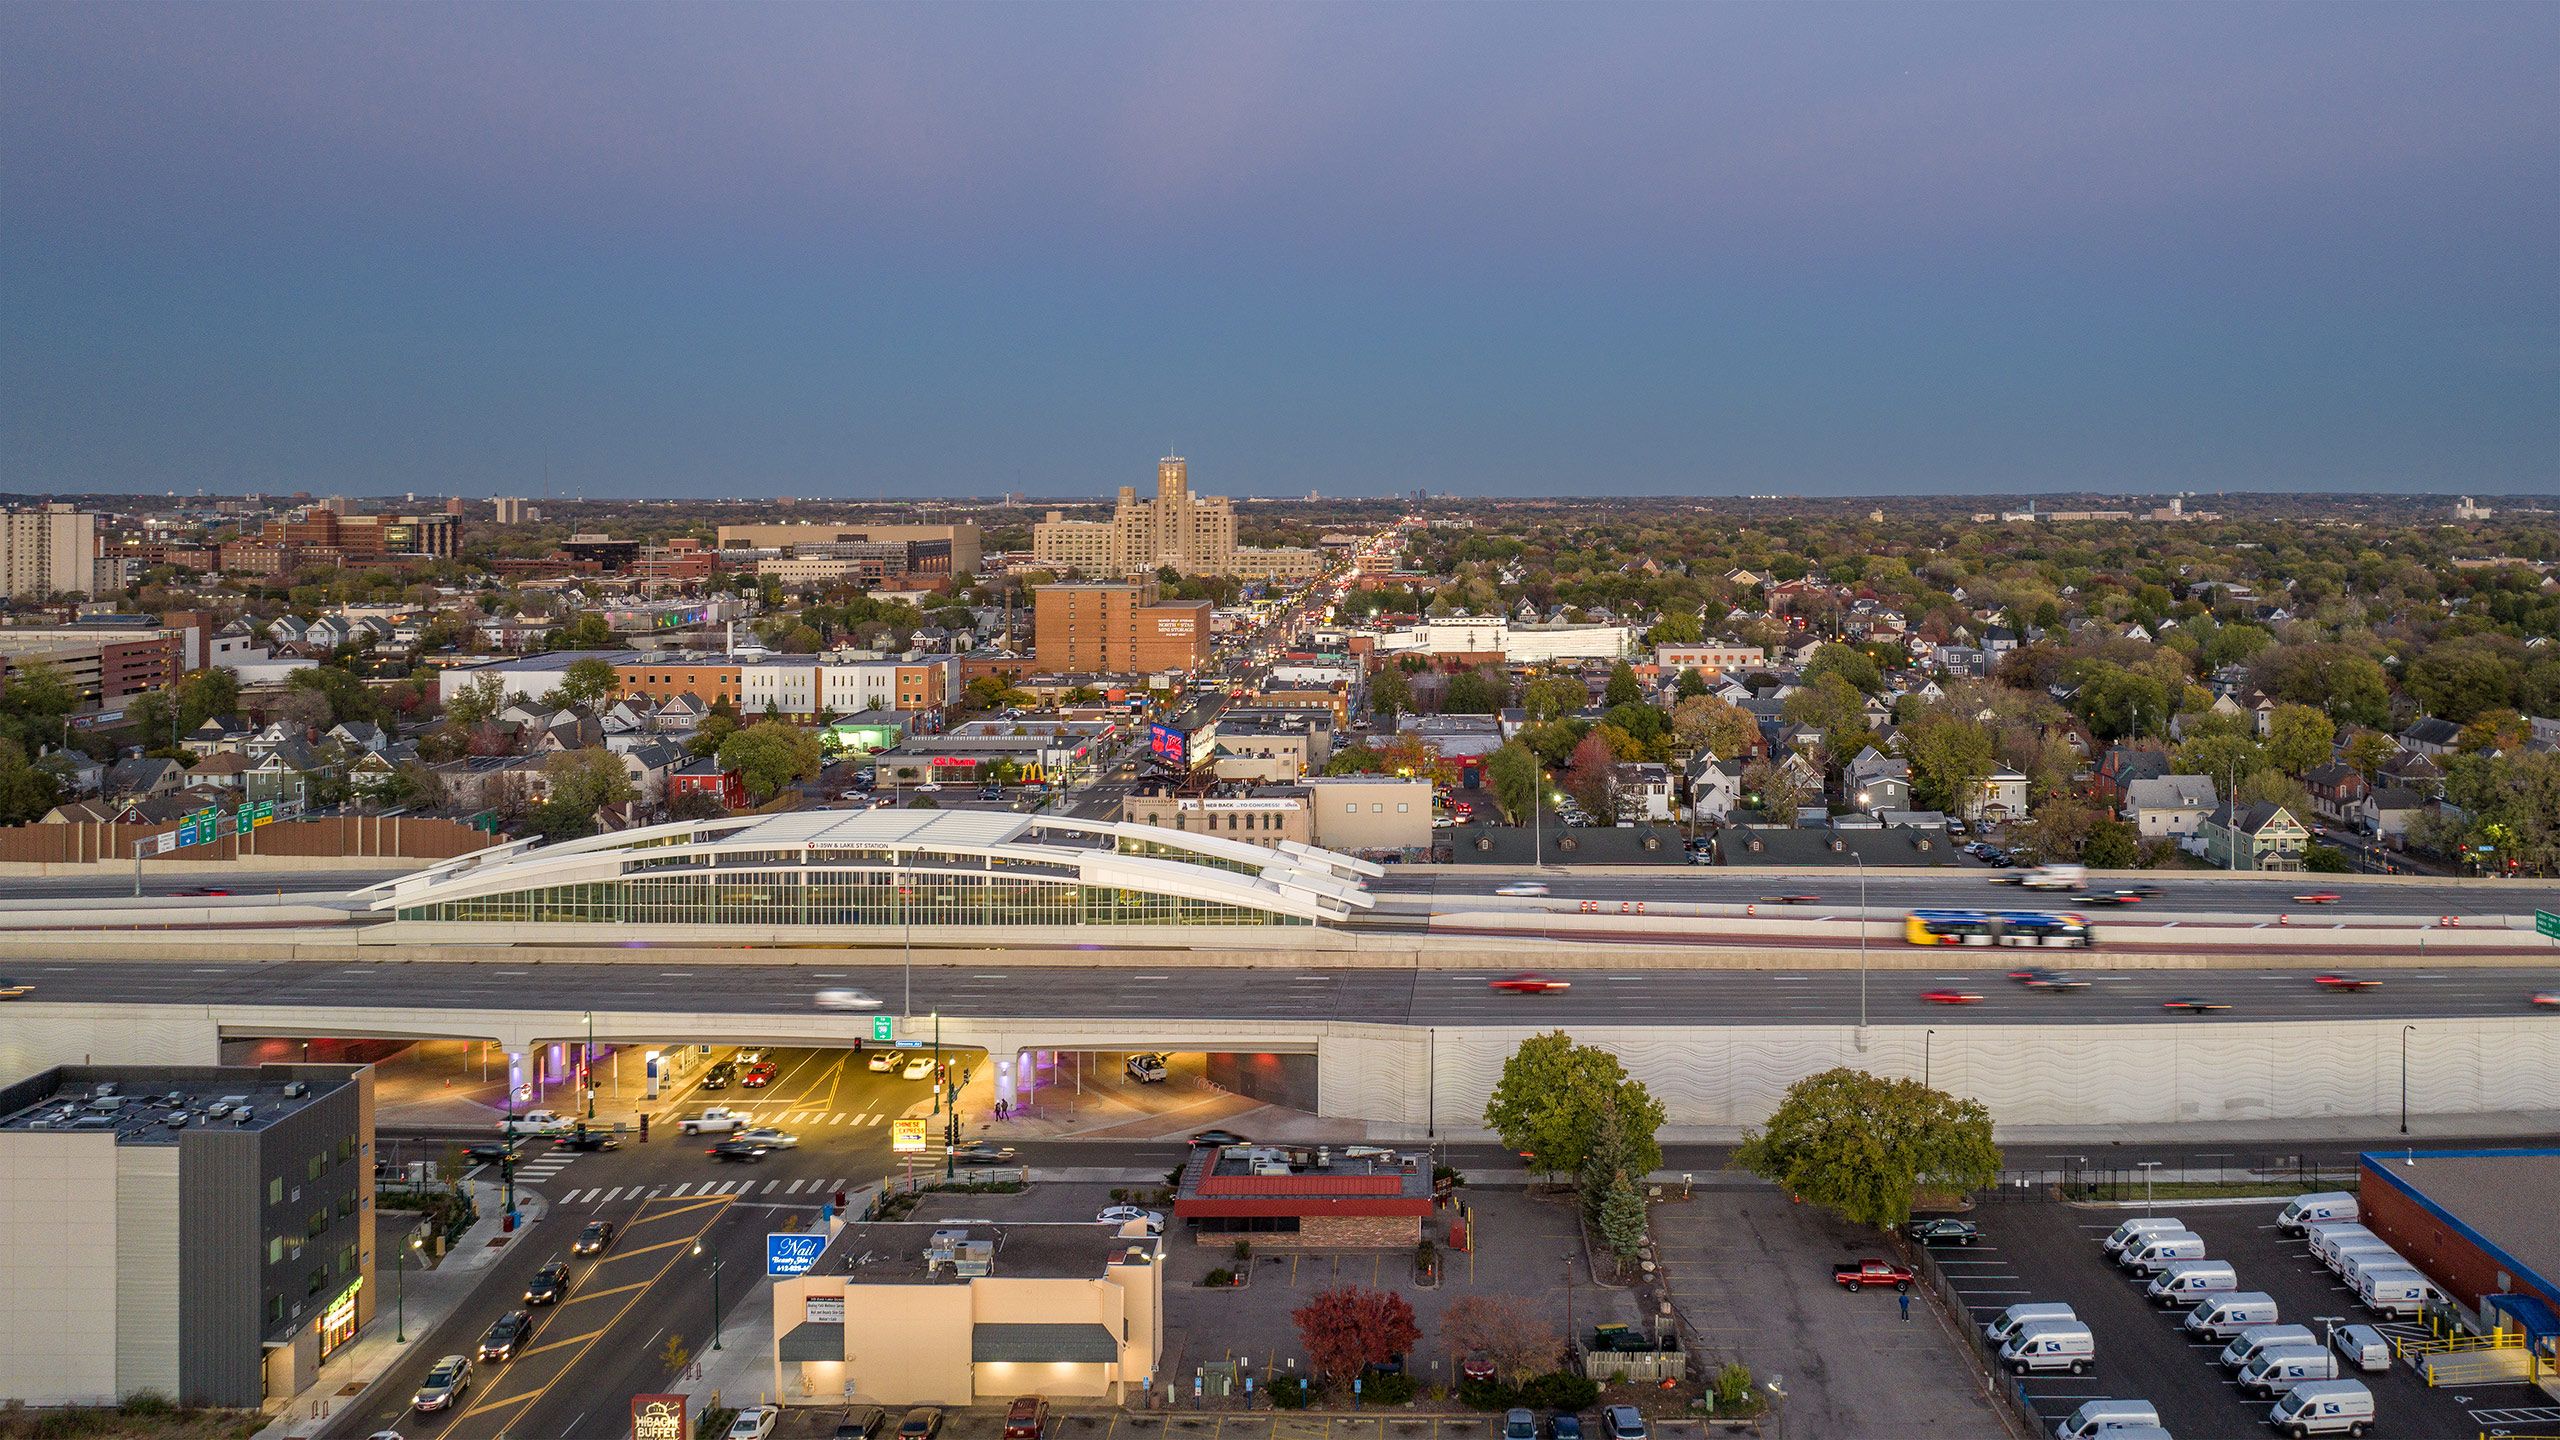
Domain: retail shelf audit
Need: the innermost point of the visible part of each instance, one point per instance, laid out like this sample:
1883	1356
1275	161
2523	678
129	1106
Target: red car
2193	1005
1530	982
1800	899
2346	982
1951	997
2317	897
204	890
758	1076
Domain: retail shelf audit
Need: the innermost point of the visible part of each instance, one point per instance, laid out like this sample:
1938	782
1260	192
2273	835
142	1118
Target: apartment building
1117	627
106	664
51	550
1194	534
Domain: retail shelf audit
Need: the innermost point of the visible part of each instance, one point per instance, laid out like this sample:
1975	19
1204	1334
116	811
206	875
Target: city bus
2034	929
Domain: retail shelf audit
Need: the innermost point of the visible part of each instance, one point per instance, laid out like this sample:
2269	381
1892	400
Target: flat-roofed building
1193	534
963	539
50	550
1117	627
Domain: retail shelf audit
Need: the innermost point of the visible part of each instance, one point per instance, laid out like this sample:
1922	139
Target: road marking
1150	977
769	1186
795	1187
615	1319
679	1190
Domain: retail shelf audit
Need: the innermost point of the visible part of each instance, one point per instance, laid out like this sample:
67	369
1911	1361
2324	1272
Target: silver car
445	1382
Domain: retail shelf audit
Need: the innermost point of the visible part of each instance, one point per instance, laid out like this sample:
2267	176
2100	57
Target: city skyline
866	253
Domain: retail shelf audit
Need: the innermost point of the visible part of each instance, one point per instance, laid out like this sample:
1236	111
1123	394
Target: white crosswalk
806	1191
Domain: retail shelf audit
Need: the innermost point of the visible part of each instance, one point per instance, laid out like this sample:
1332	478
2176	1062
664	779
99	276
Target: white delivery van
2361	1346
2158	1252
2184	1282
2354	1265
2328	1207
2052	1345
2124	1234
2106	1415
2323	1407
2357	1247
2136	1431
2244	1347
2325	1238
2402	1294
2223	1316
2277	1370
2011	1320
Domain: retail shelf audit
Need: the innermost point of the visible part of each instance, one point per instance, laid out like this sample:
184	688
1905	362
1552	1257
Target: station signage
660	1417
792	1252
906	1137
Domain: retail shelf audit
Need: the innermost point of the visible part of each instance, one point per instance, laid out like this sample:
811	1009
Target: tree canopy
1857	1145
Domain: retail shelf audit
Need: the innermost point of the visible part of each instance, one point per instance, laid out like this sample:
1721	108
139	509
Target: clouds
879	239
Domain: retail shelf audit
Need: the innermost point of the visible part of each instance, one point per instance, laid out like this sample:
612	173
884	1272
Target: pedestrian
1906	1307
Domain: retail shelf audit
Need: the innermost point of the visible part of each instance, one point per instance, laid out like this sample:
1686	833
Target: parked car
1945	1232
1124	1214
1624	1422
1520	1425
864	1424
594	1240
1867	1274
756	1422
1026	1418
922	1423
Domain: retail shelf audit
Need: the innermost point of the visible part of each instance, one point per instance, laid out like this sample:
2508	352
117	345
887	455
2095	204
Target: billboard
906	1137
1169	745
660	1417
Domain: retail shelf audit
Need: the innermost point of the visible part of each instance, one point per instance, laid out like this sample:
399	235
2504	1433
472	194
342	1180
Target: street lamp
588	1064
1862	941
1926	1038
715	1293
2404	1077
2147	1167
400	1300
1777	1388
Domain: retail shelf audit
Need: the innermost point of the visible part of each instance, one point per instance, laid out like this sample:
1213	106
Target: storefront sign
338	1322
823	1310
660	1417
792	1252
906	1137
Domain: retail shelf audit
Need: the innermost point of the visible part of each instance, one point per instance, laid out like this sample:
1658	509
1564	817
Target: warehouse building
2481	1223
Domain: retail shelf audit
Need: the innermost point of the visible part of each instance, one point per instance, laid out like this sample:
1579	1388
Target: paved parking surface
819	1421
2044	1252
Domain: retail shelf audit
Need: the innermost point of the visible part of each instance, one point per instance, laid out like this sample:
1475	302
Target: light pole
1778	1392
715	1293
2147	1167
1926	1038
2404	1077
588	1064
1862	940
400	1300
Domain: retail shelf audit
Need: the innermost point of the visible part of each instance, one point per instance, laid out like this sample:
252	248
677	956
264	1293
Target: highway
242	881
1972	888
1426	997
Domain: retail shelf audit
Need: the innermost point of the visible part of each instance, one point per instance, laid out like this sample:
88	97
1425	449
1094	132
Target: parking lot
818	1422
2051	1252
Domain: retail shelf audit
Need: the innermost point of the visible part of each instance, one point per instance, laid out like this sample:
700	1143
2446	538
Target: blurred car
1798	897
1624	1422
1564	1425
2346	982
882	1061
587	1142
506	1335
1521	888
2193	1004
756	1422
917	1068
847	1000
2037	977
1214	1136
983	1152
1530	982
2317	897
202	890
1945	1232
2547	999
15	989
1951	997
445	1383
594	1239
2108	897
549	1285
749	1055
489	1152
770	1137
758	1076
1123	1214
740	1152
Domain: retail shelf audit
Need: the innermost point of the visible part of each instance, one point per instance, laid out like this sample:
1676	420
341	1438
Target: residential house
2337	791
73	772
491	782
1877	781
2385	814
1715	786
141	776
1997	798
2170	806
1644	791
2255	837
2121	765
218	733
650	761
2428	735
705	777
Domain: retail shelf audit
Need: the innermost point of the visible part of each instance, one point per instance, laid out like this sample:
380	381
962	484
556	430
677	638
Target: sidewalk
431	1295
740	1372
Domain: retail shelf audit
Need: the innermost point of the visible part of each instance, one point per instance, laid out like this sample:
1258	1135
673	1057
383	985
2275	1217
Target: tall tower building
48	551
1192	534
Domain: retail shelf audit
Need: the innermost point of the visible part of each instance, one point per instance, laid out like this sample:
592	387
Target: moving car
1214	1136
2109	897
446	1381
917	1068
2194	1004
756	1422
549	1284
2547	999
534	1122
1147	1068
759	1075
2037	977
506	1335
770	1138
847	1000
489	1152
1945	1232
2317	897
2346	982
1521	888
594	1239
714	1121
13	989
743	1152
1123	1214
1951	997
719	1076
983	1152
583	1141
1801	897
1530	982
882	1061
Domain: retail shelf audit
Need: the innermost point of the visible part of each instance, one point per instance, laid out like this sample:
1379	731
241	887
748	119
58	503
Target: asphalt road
1700	998
609	1339
244	882
1973	889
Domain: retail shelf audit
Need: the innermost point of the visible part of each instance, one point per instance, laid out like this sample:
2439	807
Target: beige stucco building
1194	534
961	1313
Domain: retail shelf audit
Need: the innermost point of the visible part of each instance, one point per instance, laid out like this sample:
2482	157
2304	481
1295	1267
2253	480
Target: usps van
2156	1253
2105	1415
2222	1316
2016	1316
2402	1294
2325	1238
2328	1207
2184	1282
2244	1347
2323	1407
2275	1371
2052	1345
2124	1234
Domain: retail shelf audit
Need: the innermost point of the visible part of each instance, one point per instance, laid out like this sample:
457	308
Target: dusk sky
630	249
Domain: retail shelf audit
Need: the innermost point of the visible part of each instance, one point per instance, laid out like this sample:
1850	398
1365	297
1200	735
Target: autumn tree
1552	697
2298	738
1949	755
1390	693
1704	722
1348	1328
769	755
1858	1144
1778	790
1505	1329
1592	779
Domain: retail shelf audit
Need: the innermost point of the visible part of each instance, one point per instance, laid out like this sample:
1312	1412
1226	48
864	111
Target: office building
963	538
203	1233
1192	534
106	664
1117	627
514	510
48	551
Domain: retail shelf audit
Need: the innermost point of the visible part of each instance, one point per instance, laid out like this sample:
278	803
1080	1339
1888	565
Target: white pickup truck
534	1122
2056	877
715	1121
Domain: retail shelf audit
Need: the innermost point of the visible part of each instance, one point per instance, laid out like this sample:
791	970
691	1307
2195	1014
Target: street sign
884	1027
906	1137
792	1252
2546	923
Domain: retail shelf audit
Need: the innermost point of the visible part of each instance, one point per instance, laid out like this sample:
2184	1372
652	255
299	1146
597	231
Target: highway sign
792	1252
906	1137
884	1027
2546	923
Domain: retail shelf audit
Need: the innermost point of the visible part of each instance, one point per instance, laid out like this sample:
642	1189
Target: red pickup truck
1871	1272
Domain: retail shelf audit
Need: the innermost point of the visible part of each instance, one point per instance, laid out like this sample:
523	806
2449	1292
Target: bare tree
1505	1330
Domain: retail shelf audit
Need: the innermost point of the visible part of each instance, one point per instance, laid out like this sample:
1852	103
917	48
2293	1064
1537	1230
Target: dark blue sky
1511	249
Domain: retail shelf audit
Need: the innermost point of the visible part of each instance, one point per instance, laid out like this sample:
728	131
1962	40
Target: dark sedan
1945	1232
549	1285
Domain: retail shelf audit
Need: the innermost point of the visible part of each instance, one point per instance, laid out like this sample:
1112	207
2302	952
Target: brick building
1118	627
1303	1198
2477	1222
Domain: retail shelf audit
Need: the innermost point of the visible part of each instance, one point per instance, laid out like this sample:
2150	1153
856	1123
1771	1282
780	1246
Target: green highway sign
2546	923
884	1027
